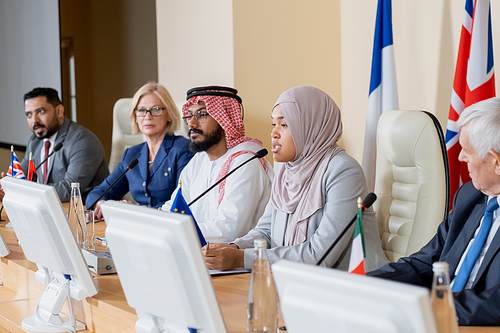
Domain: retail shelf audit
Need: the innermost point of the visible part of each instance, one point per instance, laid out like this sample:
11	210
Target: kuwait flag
357	262
32	175
383	94
474	80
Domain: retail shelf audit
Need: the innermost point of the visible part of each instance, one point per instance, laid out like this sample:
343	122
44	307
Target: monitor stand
47	317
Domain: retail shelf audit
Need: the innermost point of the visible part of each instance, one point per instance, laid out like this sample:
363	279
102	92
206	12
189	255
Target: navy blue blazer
479	305
149	189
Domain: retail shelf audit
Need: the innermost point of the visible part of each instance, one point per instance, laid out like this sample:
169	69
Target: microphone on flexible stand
56	148
130	166
259	154
367	202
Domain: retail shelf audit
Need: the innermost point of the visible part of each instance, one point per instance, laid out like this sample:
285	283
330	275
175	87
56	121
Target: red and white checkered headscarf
227	112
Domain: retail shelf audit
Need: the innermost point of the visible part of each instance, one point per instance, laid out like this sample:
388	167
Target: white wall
195	44
426	39
29	58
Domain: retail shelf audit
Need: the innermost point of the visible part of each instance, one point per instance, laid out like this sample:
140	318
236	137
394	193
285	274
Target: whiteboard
29	58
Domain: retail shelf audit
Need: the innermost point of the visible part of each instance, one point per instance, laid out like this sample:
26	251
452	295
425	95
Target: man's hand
223	257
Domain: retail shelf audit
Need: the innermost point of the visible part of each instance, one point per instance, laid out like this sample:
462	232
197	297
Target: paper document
238	270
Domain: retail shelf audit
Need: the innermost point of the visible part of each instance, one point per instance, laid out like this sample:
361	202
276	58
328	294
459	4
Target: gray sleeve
24	163
84	155
261	230
342	184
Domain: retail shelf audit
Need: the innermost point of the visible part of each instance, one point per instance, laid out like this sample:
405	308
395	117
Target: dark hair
49	93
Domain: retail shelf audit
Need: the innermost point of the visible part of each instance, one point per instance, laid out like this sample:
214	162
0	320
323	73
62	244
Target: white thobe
246	195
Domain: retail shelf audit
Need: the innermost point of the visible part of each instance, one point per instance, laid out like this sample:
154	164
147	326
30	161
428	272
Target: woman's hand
98	212
223	257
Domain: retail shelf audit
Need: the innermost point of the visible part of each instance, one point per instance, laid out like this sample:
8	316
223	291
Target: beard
51	128
210	140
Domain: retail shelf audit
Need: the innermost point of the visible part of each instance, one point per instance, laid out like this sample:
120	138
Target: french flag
474	80
383	94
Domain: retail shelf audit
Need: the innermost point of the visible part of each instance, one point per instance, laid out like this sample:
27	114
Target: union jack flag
474	80
15	169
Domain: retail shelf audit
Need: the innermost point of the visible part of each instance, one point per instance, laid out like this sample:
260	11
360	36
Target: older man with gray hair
468	240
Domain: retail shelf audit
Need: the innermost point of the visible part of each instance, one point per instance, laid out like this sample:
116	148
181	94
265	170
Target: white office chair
411	181
122	137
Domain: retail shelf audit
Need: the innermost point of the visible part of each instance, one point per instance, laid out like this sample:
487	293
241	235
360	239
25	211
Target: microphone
369	200
56	148
130	166
259	154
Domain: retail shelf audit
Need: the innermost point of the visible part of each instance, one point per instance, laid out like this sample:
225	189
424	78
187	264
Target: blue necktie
475	248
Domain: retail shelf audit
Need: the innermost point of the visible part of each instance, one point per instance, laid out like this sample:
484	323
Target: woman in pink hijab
314	192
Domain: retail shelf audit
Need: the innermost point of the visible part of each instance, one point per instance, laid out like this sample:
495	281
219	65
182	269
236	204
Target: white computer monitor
318	299
158	259
45	235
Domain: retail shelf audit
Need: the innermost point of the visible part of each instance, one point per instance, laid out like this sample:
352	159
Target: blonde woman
161	158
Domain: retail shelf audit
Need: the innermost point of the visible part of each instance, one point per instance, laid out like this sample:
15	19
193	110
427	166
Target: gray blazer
343	183
81	159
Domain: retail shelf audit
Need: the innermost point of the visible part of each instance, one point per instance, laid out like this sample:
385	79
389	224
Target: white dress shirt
247	193
52	139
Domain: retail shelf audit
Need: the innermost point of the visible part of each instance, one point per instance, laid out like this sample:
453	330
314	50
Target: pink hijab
314	122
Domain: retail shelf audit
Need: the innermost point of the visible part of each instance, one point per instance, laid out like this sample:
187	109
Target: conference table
108	310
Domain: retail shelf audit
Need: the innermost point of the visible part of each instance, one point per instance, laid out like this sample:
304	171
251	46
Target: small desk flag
358	254
15	169
180	206
32	175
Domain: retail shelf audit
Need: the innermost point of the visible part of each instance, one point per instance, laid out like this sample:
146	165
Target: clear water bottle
442	299
262	310
76	216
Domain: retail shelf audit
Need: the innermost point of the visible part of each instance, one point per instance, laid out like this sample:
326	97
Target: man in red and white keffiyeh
217	134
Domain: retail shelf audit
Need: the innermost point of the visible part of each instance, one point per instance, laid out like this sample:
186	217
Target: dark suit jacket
149	189
479	305
81	159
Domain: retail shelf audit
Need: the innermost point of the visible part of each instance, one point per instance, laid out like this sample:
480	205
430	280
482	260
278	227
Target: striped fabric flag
383	88
15	169
358	254
32	175
474	80
180	206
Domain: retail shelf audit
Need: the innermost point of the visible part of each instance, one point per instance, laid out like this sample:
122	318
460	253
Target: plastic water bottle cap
440	267
75	184
261	243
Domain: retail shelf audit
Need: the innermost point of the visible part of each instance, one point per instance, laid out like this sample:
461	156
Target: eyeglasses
154	111
198	115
